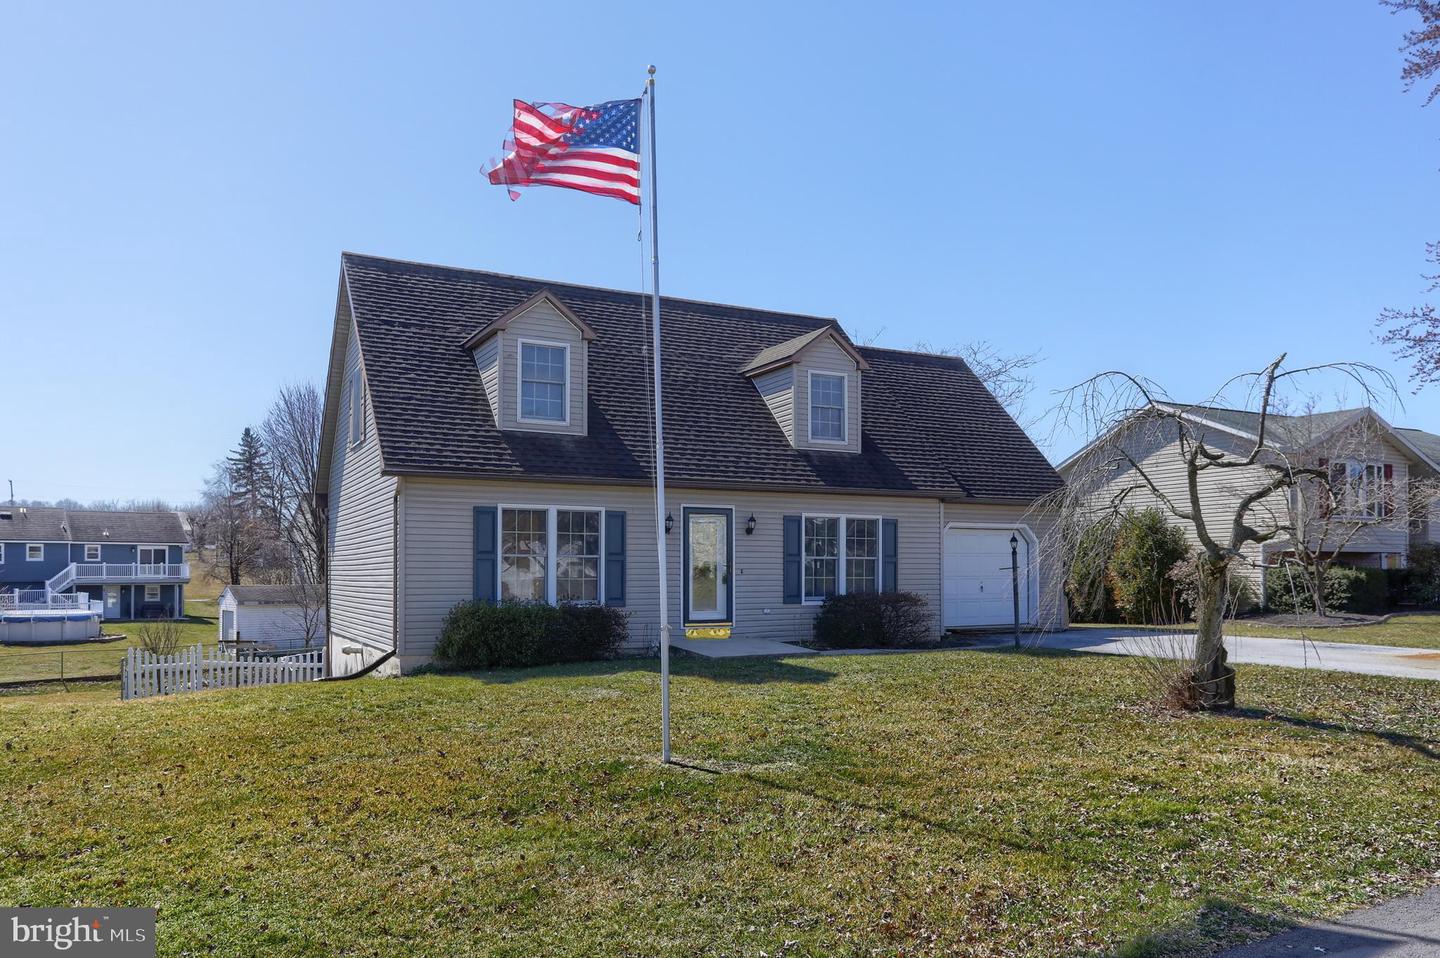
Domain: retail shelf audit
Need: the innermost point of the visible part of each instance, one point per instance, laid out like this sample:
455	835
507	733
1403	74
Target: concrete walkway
1404	928
1334	656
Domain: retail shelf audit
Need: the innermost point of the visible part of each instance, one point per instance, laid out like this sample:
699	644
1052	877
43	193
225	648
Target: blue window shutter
486	545
889	552
793	560
614	558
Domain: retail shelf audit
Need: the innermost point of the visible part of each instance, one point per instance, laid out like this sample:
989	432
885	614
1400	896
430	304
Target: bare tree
1414	332
309	615
1231	493
1008	376
291	435
229	529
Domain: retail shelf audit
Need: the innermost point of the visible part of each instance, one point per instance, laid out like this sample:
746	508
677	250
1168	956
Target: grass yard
1419	630
24	663
974	803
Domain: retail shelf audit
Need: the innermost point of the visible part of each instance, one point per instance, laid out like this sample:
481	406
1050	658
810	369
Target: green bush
1146	549
478	635
1422	578
1239	593
875	620
1347	589
1088	586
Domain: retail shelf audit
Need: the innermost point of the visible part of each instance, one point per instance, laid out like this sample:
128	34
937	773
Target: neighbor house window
92	553
577	556
1359	488
842	555
827	407
35	552
524	549
357	410
153	555
544	369
152	593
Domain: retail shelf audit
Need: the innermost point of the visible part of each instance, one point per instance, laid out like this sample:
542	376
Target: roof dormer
812	386
533	362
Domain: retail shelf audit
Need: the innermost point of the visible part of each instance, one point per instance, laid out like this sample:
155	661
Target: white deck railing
127	571
35	599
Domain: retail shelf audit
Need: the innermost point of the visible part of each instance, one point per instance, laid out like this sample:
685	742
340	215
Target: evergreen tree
249	470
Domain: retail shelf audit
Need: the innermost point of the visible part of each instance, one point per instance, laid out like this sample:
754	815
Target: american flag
591	148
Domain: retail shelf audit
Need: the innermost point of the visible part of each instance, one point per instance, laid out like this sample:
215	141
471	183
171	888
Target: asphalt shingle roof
271	594
928	424
45	524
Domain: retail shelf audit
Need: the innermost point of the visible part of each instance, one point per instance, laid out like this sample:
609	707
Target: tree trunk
1212	679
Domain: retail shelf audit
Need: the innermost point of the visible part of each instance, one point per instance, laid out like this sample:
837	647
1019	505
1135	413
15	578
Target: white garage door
977	577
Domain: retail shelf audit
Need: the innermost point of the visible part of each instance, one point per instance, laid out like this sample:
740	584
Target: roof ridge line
591	286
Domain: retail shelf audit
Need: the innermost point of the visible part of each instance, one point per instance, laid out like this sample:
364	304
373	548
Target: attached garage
976	587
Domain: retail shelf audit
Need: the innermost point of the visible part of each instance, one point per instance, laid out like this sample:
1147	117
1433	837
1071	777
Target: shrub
1422	579
1239	593
1087	585
478	635
160	637
1347	589
875	620
1146	549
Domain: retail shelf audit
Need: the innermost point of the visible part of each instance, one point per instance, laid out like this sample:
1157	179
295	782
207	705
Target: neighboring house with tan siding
489	437
1382	467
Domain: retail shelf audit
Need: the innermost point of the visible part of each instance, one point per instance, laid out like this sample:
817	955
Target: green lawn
976	803
77	660
1419	630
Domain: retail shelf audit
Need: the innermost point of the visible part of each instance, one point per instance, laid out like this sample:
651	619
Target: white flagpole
659	442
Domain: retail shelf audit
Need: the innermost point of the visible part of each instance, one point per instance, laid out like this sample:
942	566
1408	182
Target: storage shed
272	617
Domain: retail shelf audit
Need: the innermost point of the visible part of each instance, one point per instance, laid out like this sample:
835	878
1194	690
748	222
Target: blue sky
1180	190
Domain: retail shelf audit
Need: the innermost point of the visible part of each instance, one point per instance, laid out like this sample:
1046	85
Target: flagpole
659	442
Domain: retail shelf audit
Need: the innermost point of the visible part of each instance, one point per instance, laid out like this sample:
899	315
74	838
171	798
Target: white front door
707	560
977	587
112	602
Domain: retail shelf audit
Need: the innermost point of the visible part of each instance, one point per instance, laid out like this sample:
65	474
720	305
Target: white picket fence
144	674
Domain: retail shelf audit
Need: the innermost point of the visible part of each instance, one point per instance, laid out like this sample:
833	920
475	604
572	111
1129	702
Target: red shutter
1388	508
1326	492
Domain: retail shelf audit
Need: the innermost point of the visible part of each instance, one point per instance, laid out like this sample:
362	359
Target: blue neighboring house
133	563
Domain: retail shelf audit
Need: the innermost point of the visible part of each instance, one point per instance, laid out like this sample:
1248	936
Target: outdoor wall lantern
750	525
669	523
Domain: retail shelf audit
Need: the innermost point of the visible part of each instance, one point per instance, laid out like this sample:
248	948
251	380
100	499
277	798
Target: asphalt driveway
1335	656
1404	928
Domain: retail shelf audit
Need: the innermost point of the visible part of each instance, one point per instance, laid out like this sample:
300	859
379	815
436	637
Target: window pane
542	382
577	547
827	407
822	550
862	555
523	552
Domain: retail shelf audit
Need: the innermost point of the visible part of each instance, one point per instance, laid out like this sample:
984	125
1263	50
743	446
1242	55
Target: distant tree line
104	505
259	519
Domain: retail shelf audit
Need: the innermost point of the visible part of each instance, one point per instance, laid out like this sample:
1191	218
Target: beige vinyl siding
362	537
1045	560
825	356
438	551
542	323
778	390
487	360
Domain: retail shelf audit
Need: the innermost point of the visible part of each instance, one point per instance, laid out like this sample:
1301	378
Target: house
272	616
489	437
1386	478
132	563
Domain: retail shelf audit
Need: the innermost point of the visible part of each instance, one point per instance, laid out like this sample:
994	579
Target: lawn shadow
747	671
1421	746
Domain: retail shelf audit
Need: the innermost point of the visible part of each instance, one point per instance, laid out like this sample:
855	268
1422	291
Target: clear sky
1182	190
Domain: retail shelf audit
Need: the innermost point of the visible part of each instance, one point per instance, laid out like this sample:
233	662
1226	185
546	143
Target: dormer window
544	381
827	407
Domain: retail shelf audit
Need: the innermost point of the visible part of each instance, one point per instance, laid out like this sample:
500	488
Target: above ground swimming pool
39	626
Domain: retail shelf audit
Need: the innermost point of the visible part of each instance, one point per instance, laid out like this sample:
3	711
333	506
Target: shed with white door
977	591
272	617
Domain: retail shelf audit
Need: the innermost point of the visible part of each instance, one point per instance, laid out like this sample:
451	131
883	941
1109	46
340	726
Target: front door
708	593
112	602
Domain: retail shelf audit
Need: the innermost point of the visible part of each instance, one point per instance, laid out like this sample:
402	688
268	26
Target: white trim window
531	535
152	555
524	554
92	553
827	406
34	552
828	539
1359	488
152	593
544	382
357	410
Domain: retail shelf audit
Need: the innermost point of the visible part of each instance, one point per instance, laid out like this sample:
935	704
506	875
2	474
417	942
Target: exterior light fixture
669	523
750	525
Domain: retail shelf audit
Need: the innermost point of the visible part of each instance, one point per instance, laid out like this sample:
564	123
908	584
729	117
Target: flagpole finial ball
651	70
